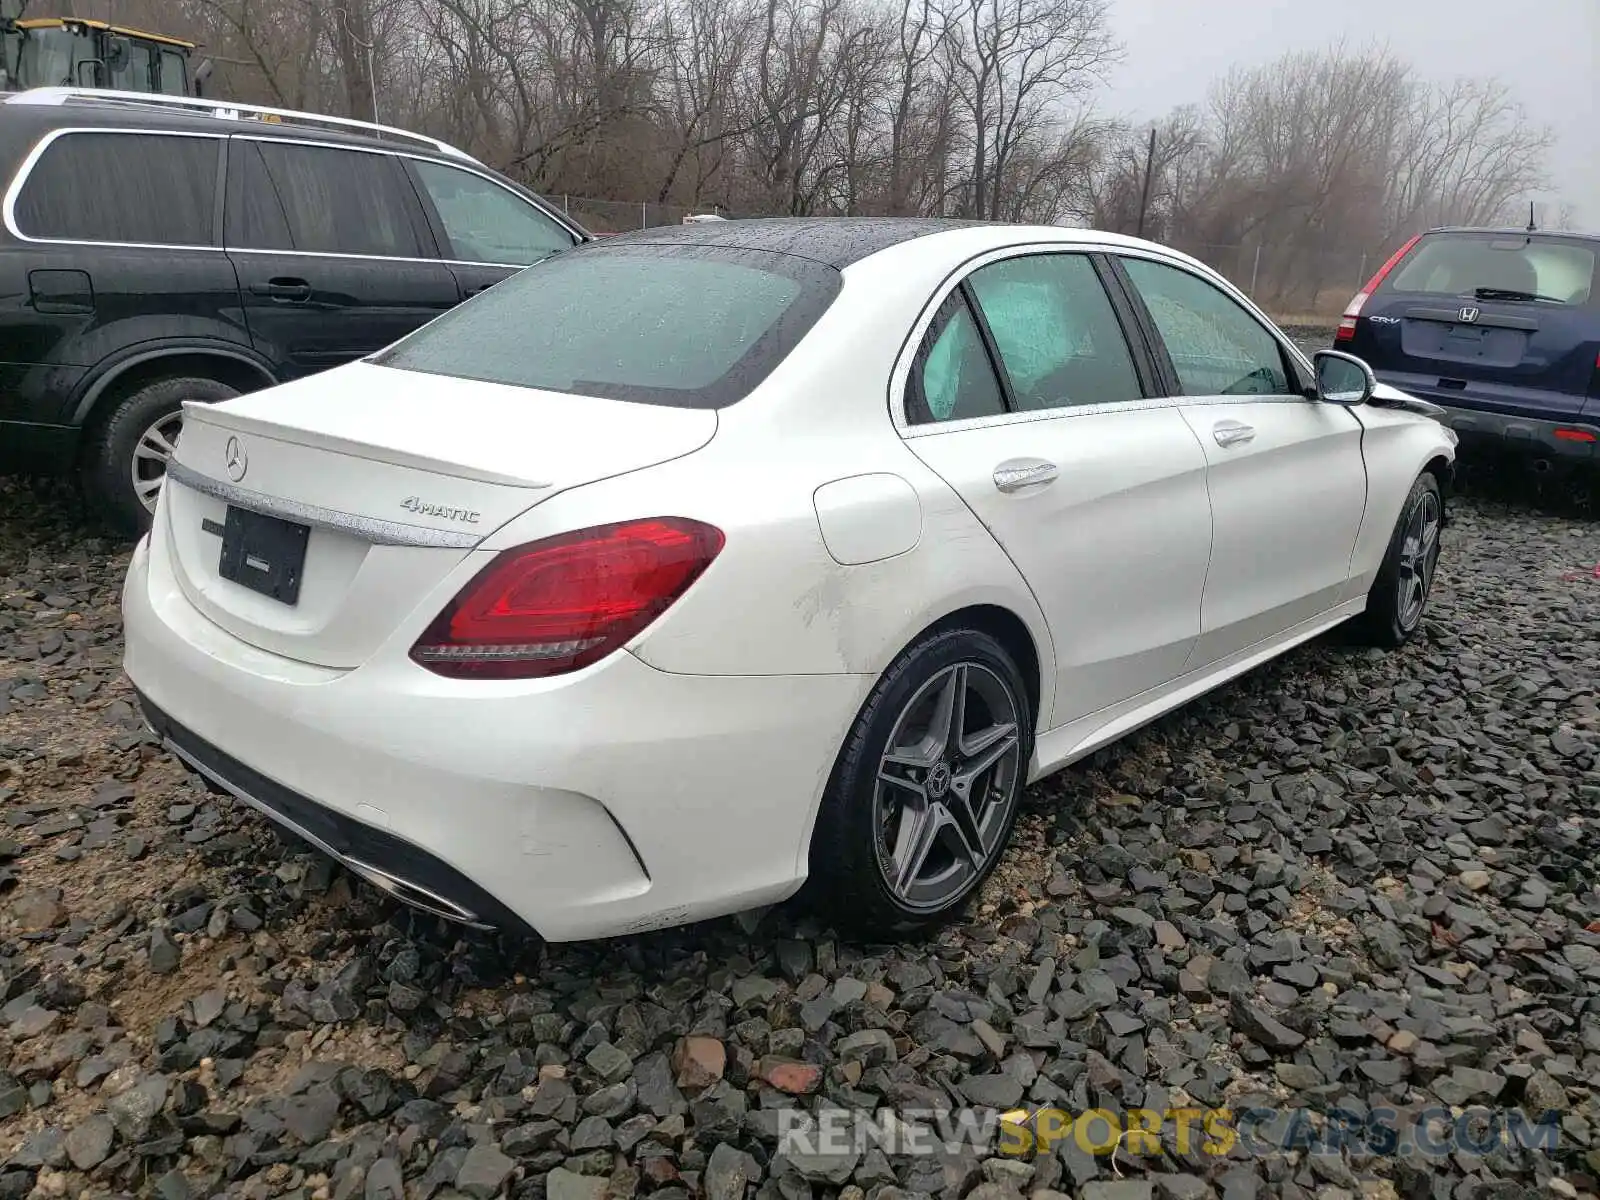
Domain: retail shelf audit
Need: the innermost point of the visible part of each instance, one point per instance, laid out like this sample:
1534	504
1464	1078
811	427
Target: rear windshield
686	326
1498	268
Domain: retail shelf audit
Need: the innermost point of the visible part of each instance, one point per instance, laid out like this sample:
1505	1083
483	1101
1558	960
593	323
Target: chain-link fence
1289	281
620	216
1304	286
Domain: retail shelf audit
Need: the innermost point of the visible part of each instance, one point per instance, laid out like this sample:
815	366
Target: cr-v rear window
1498	267
685	326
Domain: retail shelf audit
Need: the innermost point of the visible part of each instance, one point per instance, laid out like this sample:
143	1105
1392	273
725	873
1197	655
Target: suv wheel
129	448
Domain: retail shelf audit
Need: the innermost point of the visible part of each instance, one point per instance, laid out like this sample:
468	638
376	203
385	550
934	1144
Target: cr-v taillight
1352	311
562	603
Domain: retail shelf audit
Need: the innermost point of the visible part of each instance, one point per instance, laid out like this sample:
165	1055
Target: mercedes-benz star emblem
938	780
236	460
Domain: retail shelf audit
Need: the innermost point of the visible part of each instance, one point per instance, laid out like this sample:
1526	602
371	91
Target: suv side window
148	188
487	223
952	378
1217	347
321	199
1057	334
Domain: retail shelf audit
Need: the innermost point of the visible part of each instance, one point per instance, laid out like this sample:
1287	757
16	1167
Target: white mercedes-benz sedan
695	565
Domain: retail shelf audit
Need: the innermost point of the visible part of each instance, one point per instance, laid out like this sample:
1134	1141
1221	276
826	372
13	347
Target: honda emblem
1468	315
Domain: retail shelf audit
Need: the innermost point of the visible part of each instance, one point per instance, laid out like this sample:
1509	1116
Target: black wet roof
835	241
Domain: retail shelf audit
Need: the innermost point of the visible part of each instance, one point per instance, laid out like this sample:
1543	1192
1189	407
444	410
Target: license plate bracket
263	553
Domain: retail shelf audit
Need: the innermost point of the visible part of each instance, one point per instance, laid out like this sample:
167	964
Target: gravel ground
1350	881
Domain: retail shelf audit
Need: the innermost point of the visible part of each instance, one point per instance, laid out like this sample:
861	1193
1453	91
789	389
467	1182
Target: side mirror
1343	378
201	74
96	70
117	52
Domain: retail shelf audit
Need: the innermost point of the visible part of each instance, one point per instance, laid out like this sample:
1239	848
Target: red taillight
1352	311
1575	435
563	603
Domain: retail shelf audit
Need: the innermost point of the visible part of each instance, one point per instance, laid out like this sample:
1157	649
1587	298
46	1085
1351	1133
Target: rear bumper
1572	441
405	871
617	799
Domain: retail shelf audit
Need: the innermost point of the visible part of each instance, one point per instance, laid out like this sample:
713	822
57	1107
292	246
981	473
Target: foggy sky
1547	50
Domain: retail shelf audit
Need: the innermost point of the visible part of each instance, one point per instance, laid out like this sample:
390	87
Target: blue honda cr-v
1501	328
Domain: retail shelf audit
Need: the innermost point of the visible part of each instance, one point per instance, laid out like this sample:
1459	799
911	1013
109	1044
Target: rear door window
952	378
1485	267
1056	332
146	188
487	223
322	200
687	326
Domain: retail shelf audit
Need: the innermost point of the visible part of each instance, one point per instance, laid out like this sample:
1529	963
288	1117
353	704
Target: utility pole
1144	192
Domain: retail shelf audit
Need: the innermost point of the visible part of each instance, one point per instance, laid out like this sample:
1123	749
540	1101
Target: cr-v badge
235	459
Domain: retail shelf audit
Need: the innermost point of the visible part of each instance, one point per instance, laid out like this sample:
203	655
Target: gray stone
562	1184
89	1142
728	1172
484	1171
609	1063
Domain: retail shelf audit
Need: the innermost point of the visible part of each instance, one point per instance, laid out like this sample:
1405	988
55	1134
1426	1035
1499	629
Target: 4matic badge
423	509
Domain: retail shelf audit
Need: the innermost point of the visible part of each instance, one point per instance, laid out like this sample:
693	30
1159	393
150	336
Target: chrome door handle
1017	473
1232	433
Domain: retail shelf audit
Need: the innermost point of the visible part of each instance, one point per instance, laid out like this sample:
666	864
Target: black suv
162	249
1501	327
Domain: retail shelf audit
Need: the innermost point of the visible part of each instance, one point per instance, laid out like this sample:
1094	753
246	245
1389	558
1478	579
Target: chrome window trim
455	165
20	180
394	258
919	329
903	362
371	529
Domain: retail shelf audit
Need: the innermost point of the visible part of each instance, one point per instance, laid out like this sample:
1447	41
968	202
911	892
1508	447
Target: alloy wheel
151	454
947	785
1419	552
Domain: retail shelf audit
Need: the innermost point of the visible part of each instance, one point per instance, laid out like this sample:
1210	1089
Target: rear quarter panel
775	602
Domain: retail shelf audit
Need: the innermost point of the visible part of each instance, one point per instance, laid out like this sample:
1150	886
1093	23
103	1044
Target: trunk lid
395	476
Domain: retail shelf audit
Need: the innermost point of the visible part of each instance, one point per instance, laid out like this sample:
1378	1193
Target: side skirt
1066	744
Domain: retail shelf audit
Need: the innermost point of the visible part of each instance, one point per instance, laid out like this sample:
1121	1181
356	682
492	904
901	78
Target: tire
1394	612
113	452
854	877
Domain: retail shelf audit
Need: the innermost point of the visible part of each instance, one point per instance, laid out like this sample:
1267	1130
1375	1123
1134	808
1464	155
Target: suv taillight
1352	311
567	601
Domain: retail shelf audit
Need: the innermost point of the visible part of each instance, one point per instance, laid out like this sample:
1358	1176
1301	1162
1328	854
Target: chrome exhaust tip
414	895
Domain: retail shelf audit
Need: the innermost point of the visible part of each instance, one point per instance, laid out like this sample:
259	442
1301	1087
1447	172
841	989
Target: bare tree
1013	63
1294	176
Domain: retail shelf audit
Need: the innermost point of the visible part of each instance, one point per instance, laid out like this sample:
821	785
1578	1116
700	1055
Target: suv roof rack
226	109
